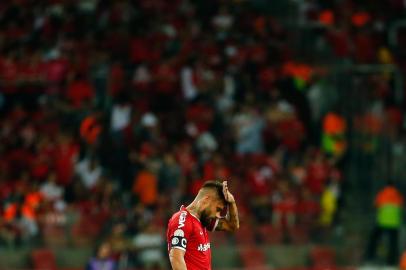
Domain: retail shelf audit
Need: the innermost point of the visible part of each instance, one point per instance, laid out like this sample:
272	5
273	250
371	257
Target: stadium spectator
149	245
248	125
170	179
51	192
102	260
308	209
389	206
284	204
89	172
329	206
145	186
119	243
402	264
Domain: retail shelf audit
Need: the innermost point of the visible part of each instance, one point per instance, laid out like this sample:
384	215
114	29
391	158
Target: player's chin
210	223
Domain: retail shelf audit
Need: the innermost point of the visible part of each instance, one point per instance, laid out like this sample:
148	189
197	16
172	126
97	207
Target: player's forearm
233	220
177	263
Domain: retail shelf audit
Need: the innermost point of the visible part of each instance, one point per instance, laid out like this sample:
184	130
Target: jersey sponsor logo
204	247
179	232
182	219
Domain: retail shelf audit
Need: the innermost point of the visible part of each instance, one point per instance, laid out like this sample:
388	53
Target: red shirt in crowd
166	79
65	154
317	174
213	170
9	75
79	92
56	70
259	183
201	115
185	158
291	132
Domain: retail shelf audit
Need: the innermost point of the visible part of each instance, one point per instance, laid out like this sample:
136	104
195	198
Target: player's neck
193	210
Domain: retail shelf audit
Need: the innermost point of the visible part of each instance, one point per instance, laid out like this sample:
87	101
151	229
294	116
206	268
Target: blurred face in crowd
118	229
104	251
169	158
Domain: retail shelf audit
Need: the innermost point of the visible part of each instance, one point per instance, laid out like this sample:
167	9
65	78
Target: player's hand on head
227	194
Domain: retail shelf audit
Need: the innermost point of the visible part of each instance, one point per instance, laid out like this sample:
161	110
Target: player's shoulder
180	219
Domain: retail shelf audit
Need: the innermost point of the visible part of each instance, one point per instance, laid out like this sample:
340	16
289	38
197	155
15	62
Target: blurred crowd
113	113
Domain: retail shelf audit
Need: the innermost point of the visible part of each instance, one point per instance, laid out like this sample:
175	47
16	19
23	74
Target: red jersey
185	232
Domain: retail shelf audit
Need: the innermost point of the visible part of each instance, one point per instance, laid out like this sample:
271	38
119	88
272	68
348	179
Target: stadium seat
258	159
43	259
245	235
323	258
85	231
270	234
324	267
295	268
298	235
54	235
253	258
220	239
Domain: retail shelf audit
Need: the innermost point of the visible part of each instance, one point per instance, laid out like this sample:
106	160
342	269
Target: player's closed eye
223	212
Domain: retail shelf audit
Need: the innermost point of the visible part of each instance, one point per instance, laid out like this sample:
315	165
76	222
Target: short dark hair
217	186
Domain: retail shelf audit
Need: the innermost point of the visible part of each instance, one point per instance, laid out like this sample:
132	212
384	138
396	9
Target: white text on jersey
182	219
204	247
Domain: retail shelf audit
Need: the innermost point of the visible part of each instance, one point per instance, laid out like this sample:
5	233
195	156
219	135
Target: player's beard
205	218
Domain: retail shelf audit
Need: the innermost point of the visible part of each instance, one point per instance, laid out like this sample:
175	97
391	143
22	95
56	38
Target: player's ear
205	200
201	202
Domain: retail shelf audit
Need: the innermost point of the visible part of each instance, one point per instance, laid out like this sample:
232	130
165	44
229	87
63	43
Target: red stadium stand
327	267
54	235
245	235
253	258
295	268
323	258
219	239
43	259
85	231
270	234
298	235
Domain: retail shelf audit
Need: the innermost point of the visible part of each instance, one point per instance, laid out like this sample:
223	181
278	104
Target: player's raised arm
231	223
176	257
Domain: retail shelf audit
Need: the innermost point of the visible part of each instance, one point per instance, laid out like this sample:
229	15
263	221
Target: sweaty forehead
212	192
220	204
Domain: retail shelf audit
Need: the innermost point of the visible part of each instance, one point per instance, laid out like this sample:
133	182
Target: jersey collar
183	208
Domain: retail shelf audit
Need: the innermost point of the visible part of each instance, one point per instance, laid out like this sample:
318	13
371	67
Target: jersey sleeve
179	231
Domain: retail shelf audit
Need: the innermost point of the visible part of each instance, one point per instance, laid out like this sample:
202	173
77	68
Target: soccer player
187	234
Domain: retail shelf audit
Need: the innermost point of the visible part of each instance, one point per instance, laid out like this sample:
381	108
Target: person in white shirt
89	172
149	247
50	190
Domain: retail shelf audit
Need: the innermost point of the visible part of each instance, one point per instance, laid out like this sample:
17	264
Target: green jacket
389	216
